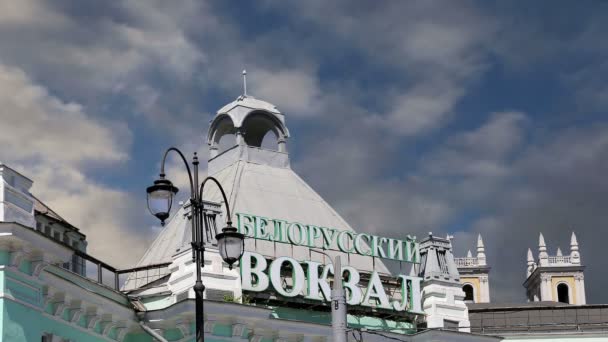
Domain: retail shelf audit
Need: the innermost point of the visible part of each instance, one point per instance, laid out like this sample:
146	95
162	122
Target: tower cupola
239	129
557	278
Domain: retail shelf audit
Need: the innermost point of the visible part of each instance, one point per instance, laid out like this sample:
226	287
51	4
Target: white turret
575	257
557	278
474	274
543	257
481	251
443	297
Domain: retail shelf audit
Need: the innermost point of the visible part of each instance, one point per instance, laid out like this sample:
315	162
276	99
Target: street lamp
230	242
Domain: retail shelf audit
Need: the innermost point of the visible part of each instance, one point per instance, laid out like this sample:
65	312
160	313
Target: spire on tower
541	242
479	242
575	257
245	83
531	264
481	251
573	242
543	257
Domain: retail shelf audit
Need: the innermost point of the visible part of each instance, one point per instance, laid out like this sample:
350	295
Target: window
38	226
57	236
468	293
47	229
562	293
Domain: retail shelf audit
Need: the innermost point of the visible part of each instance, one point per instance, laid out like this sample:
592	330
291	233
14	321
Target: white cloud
422	108
39	126
50	141
28	12
295	92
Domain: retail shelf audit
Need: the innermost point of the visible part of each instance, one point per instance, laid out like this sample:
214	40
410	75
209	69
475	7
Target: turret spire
573	242
543	257
481	251
575	256
245	83
531	264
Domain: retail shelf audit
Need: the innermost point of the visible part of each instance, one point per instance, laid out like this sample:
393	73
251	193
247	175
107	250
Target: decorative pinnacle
559	252
541	241
479	241
469	254
573	242
244	82
530	256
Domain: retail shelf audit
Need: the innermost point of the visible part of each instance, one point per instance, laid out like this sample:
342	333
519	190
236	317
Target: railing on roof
466	262
118	279
558	260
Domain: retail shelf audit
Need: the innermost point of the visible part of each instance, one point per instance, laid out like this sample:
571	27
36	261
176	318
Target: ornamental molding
76	315
93	320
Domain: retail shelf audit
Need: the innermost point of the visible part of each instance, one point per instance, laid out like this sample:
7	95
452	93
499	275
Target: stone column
580	289
546	293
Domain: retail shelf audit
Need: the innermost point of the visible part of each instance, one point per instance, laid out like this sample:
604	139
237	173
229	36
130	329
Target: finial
531	264
573	242
469	254
530	255
575	257
481	251
559	252
431	234
541	241
543	257
244	82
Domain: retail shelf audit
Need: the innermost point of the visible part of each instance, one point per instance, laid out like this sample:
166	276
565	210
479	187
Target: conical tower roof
259	182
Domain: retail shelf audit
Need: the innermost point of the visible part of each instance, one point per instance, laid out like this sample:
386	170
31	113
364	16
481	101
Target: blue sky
458	117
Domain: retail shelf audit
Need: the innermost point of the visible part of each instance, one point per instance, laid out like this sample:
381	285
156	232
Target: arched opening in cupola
262	130
270	142
227	141
224	136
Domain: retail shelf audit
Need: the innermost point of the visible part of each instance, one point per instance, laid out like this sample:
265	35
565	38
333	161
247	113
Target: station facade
398	287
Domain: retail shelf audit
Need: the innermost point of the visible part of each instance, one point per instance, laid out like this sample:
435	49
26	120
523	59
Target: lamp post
230	242
339	320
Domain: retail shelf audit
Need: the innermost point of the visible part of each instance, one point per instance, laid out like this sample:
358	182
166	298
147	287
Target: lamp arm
229	221
162	168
